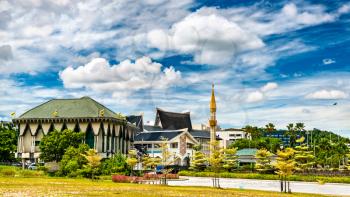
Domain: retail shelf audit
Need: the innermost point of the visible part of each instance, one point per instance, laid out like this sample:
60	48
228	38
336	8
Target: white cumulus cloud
127	76
327	94
269	86
255	96
211	38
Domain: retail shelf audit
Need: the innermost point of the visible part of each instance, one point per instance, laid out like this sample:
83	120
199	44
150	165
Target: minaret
212	120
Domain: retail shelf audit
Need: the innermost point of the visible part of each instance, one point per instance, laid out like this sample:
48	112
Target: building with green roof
105	131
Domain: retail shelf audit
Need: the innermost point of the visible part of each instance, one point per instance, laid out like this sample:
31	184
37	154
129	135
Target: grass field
46	186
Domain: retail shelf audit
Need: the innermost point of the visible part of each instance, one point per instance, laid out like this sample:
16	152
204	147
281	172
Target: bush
8	172
149	176
115	165
118	178
72	161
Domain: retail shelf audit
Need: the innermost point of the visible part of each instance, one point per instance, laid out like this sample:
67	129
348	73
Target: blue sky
279	62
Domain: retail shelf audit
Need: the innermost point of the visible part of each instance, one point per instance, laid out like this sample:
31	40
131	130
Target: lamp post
281	148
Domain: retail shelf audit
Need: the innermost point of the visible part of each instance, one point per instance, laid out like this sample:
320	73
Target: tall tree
54	145
263	160
292	134
269	128
8	142
303	157
285	166
254	132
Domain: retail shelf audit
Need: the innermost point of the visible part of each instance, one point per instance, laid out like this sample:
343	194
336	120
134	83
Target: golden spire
212	100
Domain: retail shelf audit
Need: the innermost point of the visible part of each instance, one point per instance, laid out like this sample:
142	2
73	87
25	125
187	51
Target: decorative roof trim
70	119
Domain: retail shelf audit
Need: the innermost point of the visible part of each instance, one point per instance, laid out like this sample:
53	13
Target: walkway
268	185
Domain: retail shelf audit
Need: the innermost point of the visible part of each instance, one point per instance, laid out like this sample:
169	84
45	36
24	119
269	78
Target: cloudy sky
273	62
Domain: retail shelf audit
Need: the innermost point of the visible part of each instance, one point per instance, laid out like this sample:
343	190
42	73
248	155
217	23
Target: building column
96	142
105	144
32	148
110	144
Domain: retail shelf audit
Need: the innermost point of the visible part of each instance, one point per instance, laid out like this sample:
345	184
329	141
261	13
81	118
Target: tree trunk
281	184
289	190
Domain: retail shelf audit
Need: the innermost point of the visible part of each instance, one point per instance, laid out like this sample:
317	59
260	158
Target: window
189	145
232	135
37	143
174	145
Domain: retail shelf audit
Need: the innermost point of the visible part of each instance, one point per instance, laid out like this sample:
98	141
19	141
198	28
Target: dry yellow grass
84	187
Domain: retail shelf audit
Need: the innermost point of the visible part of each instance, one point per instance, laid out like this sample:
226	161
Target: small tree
167	159
93	162
263	160
198	162
216	160
73	161
151	163
230	158
303	157
285	166
132	160
54	145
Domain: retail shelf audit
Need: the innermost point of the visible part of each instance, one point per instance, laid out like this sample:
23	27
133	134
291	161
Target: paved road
269	185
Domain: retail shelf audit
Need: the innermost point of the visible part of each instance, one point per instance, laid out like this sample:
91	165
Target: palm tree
252	131
270	128
291	132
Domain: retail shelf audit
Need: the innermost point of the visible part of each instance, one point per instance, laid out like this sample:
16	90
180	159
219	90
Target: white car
32	166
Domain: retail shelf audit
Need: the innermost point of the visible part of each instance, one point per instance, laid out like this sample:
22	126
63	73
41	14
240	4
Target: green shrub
115	165
72	161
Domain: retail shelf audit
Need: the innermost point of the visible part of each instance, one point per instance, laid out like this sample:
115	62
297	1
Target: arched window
52	128
64	127
76	128
89	136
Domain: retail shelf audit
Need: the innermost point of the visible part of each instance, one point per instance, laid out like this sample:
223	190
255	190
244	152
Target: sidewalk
268	185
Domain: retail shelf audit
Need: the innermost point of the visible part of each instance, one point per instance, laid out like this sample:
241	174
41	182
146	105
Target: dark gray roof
152	128
157	135
136	120
173	120
202	134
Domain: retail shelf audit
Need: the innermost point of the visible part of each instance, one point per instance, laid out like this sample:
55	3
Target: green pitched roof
84	107
247	152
